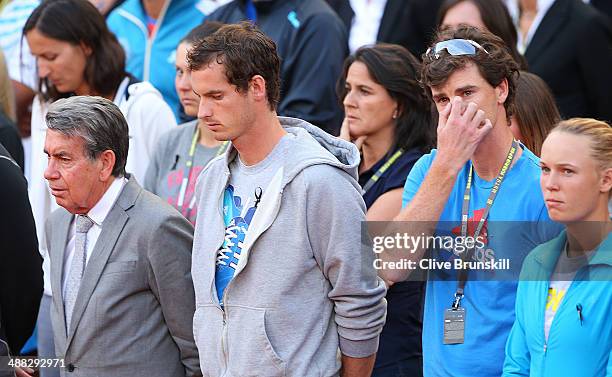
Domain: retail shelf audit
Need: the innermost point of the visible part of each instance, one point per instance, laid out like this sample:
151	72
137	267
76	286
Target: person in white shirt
557	38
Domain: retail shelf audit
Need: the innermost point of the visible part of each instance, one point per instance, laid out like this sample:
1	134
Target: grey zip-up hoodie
303	287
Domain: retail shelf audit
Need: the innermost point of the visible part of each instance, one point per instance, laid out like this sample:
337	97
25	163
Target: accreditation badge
454	325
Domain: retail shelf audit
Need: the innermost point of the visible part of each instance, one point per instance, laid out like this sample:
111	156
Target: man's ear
257	86
606	180
107	159
501	91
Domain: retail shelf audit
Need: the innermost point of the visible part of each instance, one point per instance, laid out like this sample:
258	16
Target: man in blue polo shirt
479	182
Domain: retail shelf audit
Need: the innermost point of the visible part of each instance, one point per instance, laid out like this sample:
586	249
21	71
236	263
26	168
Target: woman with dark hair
389	118
490	15
76	54
535	112
183	152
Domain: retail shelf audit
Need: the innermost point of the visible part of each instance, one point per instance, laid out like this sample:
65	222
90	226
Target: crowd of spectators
419	97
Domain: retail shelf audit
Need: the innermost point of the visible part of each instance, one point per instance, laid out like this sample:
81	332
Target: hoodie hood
315	147
140	89
130	94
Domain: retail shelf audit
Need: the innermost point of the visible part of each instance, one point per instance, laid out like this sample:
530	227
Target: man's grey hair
98	121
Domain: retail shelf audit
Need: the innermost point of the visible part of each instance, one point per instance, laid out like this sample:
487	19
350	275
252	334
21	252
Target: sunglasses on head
454	47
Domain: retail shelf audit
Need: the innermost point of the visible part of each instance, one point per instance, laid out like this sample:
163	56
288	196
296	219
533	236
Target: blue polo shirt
517	222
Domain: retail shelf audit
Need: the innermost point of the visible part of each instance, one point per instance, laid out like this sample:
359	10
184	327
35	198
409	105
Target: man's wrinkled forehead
60	143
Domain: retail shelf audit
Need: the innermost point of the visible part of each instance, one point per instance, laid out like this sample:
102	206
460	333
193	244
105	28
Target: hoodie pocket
207	332
250	351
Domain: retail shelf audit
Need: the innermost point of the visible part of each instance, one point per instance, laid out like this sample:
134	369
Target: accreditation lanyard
462	275
374	178
189	170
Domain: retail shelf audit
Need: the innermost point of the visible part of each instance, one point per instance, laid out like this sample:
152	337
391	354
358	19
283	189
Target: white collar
99	211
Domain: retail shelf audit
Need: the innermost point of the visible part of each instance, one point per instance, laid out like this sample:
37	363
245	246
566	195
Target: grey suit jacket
134	310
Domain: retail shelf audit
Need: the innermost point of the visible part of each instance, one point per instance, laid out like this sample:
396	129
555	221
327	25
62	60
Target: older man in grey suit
123	298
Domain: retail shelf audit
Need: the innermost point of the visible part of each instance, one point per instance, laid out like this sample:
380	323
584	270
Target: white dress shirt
515	13
365	25
97	214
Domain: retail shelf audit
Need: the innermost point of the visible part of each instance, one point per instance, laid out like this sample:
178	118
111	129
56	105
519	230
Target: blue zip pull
579	309
293	19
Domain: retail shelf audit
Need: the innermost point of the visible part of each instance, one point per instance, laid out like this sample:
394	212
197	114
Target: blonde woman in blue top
564	298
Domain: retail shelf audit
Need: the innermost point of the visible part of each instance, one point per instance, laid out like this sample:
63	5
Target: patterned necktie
77	268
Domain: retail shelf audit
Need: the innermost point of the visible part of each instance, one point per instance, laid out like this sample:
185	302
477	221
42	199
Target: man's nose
204	109
51	171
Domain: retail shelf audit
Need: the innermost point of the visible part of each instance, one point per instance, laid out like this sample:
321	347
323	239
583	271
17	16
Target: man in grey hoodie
281	279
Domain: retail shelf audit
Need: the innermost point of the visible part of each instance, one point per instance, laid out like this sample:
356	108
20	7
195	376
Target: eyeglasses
454	47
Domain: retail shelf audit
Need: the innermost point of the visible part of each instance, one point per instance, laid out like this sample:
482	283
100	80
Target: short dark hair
495	65
201	31
98	121
496	19
244	51
76	22
397	70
